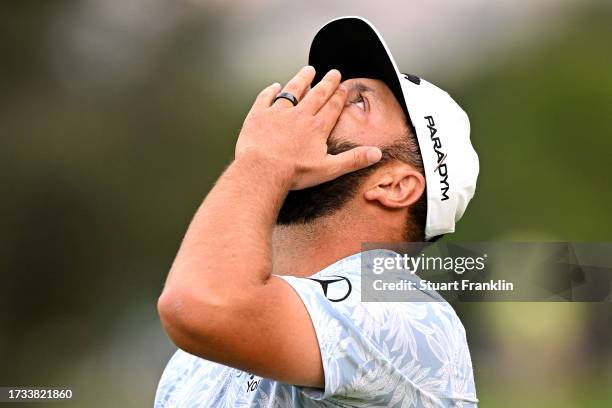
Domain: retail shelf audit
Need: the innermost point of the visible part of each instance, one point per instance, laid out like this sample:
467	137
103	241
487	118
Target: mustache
335	146
394	151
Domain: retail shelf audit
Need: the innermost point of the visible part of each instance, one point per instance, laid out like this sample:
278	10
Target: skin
221	300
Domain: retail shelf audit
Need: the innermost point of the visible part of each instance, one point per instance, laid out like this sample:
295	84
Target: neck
303	250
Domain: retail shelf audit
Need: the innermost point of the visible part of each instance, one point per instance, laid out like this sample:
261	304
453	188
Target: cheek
355	128
344	128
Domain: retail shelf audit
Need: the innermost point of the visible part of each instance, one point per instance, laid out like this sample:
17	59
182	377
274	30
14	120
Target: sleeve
175	372
387	353
356	368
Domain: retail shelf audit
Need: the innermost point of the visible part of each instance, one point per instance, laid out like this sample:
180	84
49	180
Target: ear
398	187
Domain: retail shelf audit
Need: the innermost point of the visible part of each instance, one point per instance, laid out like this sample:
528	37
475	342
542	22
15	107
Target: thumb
352	160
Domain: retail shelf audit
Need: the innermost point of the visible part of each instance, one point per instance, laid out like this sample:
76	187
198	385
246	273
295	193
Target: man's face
372	116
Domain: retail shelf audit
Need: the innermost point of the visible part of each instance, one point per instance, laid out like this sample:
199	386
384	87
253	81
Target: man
263	298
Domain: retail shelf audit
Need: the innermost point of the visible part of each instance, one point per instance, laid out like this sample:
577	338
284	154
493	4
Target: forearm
220	287
228	244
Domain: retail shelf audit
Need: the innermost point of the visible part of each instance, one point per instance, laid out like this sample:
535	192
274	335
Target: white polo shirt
375	354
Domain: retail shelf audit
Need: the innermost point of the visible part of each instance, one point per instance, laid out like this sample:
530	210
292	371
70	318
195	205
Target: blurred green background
116	116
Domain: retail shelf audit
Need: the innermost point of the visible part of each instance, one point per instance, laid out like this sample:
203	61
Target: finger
351	160
316	98
297	86
330	112
266	97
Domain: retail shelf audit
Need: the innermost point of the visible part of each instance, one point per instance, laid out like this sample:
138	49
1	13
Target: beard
309	204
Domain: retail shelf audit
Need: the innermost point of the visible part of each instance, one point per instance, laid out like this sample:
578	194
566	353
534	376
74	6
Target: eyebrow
359	86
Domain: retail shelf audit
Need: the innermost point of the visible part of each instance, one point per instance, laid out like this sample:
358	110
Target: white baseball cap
354	47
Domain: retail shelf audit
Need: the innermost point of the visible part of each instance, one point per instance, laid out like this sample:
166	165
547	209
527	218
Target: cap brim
354	47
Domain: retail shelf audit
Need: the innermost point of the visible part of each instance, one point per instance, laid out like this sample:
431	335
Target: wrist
267	167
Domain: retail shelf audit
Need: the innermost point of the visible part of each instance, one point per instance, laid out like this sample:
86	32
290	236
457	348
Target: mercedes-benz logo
326	282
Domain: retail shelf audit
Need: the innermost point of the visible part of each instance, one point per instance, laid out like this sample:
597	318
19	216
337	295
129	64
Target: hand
294	139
